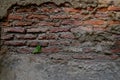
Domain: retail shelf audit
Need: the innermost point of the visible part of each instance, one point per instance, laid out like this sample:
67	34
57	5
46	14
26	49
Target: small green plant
37	49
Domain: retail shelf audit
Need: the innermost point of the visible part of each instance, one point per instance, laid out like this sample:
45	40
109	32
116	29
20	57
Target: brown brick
114	8
50	50
5	24
22	23
38	16
7	37
59	29
14	30
15	43
26	10
35	30
14	17
67	35
27	36
36	43
43	23
94	22
47	36
59	16
71	10
25	50
113	22
103	9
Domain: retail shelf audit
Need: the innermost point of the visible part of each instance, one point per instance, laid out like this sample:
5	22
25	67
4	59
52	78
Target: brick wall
62	28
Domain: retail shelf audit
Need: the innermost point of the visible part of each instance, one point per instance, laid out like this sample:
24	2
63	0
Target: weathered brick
27	36
47	36
36	30
5	24
71	22
36	43
59	29
14	43
14	30
82	28
44	23
114	8
22	23
73	10
103	9
94	22
7	37
14	17
113	22
26	10
25	50
116	50
38	16
59	16
50	49
67	35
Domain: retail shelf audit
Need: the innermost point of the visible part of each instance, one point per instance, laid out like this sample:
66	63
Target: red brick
67	35
35	30
59	29
73	10
50	50
43	23
36	43
47	36
7	37
14	17
26	10
113	22
26	50
59	16
14	30
5	24
71	22
94	22
77	16
114	8
15	43
116	50
103	9
27	36
38	16
22	23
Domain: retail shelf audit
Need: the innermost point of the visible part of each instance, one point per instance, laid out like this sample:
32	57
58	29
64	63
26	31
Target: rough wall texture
61	25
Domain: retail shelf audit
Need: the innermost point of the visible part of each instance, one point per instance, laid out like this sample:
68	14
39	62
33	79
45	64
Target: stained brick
15	43
22	23
36	43
114	8
14	30
94	22
59	16
38	16
47	36
14	17
58	29
7	37
67	35
50	50
35	30
27	36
